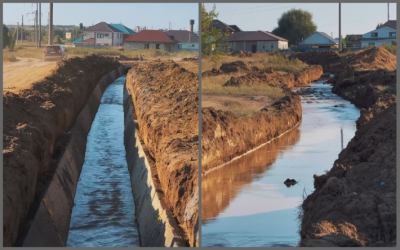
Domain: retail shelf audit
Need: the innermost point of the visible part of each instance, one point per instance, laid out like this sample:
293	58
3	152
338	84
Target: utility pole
40	25
388	11
340	27
16	40
22	29
169	25
51	24
34	37
36	26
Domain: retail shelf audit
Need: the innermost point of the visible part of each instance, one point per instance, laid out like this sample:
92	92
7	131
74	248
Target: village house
319	40
217	24
383	35
101	34
353	41
186	40
150	39
256	41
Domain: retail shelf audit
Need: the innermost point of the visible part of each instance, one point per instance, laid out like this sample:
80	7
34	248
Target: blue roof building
122	28
77	40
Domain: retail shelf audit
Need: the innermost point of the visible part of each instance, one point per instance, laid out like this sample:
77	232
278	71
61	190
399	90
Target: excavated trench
103	193
250	192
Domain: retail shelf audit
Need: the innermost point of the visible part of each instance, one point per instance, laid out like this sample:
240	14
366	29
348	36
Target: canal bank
266	210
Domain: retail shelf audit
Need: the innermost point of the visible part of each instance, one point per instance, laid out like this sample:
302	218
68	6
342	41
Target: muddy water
103	214
247	204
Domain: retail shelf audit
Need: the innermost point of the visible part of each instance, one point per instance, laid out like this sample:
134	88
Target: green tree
295	25
213	41
57	39
81	26
344	45
379	25
6	38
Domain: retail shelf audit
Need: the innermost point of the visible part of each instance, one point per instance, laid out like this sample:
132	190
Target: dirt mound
323	58
370	59
212	72
354	204
234	67
270	77
225	135
36	123
190	59
165	97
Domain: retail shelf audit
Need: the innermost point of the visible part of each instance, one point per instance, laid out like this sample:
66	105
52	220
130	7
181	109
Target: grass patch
276	61
81	51
9	58
383	89
391	48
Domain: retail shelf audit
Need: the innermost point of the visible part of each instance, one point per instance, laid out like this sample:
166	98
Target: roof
235	27
102	27
77	40
391	24
217	24
182	36
149	36
122	28
324	35
254	36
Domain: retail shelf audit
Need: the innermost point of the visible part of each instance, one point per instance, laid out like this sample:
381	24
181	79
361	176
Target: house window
371	44
157	46
179	46
146	46
192	45
272	46
106	35
100	35
392	34
374	34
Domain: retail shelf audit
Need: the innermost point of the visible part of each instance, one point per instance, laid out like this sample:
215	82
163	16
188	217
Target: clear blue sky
357	18
151	15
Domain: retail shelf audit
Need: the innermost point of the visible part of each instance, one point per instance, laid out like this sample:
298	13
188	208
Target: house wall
87	35
188	46
380	42
141	45
382	38
262	46
316	38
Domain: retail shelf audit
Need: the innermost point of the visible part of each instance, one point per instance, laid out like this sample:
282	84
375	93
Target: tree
81	26
344	45
295	25
379	25
57	39
213	40
6	38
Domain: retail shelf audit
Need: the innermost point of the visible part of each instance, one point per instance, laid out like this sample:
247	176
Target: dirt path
229	103
26	71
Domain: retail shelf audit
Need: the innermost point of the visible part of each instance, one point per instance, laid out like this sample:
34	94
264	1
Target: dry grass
214	86
276	61
9	58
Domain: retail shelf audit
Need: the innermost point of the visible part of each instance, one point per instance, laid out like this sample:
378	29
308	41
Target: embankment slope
165	99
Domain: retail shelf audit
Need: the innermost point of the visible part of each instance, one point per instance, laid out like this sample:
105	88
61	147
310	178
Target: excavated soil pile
36	125
228	68
225	135
354	204
190	59
270	77
165	97
323	58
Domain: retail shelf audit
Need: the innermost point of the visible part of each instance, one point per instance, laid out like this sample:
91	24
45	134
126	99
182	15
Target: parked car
54	52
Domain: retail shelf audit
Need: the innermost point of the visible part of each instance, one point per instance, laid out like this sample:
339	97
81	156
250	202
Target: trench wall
156	224
50	225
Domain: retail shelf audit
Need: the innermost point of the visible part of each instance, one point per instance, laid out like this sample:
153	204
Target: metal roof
391	24
102	27
122	28
322	34
182	36
254	36
149	36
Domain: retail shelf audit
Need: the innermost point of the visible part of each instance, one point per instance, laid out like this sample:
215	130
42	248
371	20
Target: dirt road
24	72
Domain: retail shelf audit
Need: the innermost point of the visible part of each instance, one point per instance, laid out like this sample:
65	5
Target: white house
256	41
102	34
319	40
383	35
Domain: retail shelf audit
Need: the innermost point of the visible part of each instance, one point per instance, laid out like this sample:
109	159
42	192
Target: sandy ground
227	103
26	71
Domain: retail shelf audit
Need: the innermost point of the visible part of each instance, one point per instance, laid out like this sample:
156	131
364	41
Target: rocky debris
234	67
165	98
190	59
36	124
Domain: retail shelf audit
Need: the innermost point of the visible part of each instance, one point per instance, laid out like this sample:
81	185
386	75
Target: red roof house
150	39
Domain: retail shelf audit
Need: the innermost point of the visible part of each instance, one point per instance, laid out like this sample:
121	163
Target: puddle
104	212
247	204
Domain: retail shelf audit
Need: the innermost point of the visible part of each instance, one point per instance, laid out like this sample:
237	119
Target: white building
256	41
383	35
102	34
319	40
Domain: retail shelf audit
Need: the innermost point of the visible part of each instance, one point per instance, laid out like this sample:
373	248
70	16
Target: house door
254	48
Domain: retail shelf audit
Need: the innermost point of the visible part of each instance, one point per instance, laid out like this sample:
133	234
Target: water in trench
247	204
104	212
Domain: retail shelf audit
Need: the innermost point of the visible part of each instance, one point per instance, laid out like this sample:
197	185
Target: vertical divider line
199	58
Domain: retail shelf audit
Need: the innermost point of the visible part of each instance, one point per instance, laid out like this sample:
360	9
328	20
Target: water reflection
221	186
104	211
